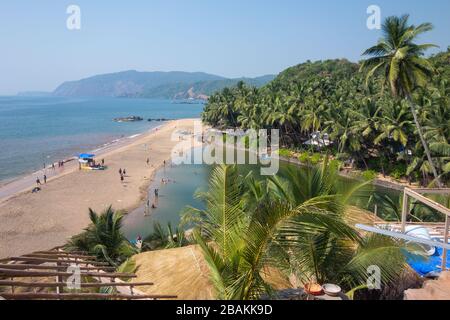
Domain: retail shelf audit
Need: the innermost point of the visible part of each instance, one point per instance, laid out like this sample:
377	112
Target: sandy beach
38	221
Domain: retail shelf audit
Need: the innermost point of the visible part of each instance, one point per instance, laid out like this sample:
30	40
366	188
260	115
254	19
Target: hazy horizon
229	39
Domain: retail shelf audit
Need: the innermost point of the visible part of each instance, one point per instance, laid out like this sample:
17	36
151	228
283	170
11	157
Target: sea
41	130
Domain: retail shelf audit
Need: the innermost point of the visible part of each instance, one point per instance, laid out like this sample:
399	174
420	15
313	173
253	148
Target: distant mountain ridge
170	85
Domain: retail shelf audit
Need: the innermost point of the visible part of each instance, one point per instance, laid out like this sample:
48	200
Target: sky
224	37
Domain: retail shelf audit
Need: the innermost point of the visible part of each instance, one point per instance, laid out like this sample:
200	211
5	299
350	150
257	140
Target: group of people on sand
39	183
60	165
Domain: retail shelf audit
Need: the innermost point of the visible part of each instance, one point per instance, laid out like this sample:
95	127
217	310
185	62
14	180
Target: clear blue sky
225	37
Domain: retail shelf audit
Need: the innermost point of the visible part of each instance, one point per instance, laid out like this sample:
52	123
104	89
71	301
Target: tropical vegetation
104	238
296	222
389	113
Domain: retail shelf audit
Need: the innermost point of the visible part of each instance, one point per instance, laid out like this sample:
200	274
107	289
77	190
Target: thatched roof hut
184	272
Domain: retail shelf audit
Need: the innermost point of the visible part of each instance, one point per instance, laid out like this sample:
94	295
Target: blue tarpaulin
429	264
86	156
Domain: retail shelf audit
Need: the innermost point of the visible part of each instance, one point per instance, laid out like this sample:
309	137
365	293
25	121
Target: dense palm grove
364	111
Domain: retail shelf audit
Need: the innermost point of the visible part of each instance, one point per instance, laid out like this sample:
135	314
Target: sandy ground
31	222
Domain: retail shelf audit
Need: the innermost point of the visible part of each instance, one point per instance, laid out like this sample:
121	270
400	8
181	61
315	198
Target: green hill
134	84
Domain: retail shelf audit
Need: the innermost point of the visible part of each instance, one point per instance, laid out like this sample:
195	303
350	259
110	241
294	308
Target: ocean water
34	131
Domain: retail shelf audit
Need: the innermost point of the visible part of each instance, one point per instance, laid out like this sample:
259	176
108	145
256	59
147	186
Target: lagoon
187	179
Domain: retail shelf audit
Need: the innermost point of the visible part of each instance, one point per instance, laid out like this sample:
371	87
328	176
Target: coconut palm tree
323	254
396	124
249	225
400	60
103	237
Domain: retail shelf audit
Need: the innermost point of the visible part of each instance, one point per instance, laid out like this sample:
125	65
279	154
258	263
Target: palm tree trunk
424	143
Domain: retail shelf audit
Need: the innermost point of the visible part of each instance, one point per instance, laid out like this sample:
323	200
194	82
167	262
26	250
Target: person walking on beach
53	166
148	161
121	178
45	179
120	171
124	172
38	182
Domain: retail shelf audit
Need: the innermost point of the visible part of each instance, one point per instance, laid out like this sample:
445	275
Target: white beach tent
318	140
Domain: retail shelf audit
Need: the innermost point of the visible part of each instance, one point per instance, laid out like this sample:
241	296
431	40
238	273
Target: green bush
398	171
315	158
336	164
369	175
304	157
285	153
374	164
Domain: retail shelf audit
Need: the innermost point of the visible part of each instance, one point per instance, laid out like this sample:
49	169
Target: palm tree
251	224
323	253
103	237
395	125
401	63
165	239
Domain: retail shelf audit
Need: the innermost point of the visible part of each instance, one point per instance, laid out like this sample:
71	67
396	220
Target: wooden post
405	210
59	279
444	252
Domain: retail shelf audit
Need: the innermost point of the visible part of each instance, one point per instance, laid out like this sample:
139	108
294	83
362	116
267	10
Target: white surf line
134	136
